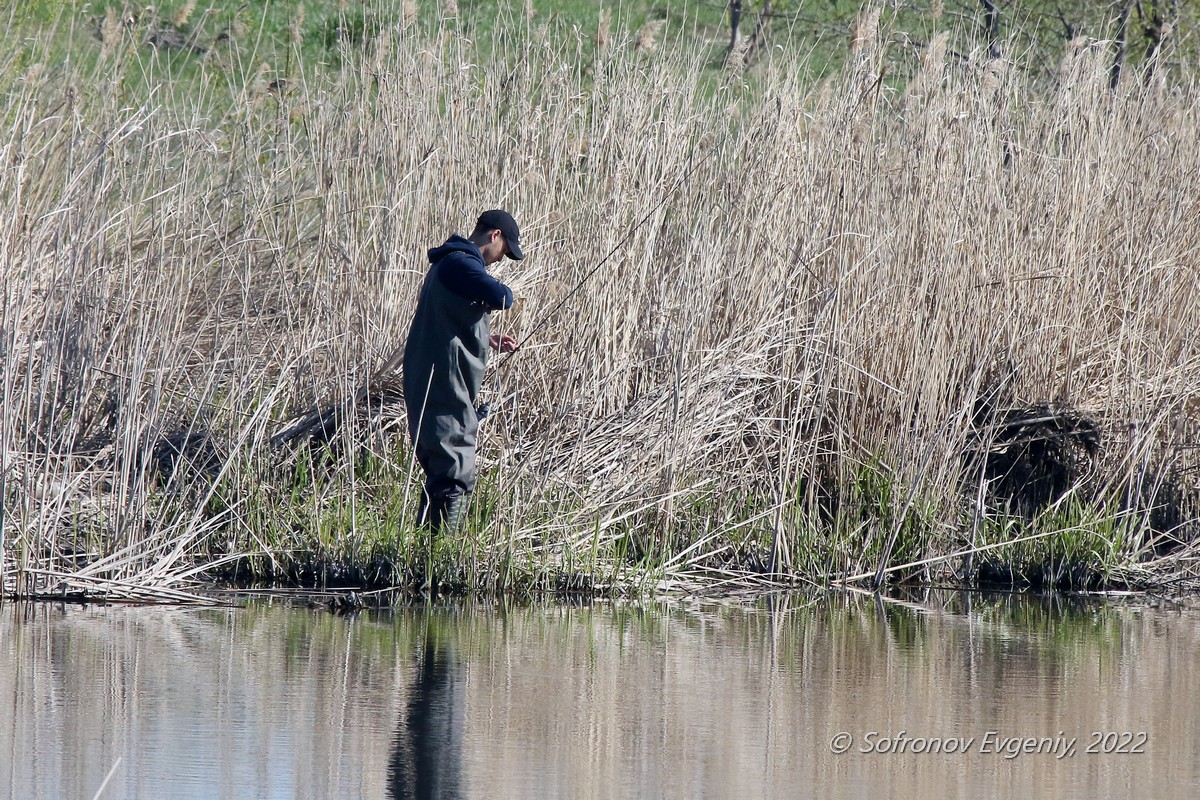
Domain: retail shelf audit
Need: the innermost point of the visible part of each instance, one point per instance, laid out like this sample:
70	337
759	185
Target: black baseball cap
498	220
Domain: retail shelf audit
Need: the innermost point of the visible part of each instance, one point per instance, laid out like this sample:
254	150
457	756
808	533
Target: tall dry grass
783	370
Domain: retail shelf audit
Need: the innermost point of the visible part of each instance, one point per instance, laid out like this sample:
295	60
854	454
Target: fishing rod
549	315
483	410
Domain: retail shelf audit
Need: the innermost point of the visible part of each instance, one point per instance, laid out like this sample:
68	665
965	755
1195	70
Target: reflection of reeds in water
593	701
791	368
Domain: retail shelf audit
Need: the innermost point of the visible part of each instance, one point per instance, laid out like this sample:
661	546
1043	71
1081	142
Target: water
668	701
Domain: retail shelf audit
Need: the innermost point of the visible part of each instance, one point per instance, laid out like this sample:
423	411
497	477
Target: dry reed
847	279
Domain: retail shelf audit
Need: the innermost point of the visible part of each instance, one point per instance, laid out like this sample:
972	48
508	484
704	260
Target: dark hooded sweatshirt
444	359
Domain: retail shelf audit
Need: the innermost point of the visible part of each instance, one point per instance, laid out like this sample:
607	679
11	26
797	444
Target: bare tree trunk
1114	76
1154	24
735	22
991	26
760	25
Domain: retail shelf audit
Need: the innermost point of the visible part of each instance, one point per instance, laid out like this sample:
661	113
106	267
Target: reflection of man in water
427	752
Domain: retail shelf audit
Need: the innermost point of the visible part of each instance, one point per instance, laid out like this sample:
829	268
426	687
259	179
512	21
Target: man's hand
505	344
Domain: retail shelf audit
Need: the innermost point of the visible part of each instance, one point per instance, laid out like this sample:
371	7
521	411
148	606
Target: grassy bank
940	331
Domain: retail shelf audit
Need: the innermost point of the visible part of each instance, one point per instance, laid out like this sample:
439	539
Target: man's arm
469	280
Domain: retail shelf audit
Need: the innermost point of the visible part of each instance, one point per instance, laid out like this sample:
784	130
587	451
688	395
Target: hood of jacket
455	244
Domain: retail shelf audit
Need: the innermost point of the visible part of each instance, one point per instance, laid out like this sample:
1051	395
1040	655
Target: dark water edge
381	573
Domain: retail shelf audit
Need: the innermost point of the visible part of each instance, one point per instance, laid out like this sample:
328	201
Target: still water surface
666	701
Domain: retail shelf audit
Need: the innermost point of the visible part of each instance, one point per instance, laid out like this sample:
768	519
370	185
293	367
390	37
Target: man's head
496	234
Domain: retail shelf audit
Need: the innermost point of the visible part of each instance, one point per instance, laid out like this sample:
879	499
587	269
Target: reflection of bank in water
426	760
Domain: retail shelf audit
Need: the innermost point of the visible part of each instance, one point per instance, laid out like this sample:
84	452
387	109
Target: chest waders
444	360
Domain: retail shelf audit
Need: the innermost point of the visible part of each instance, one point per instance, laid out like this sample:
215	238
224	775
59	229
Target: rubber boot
446	512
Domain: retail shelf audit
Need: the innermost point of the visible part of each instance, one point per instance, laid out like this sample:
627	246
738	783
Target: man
445	356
